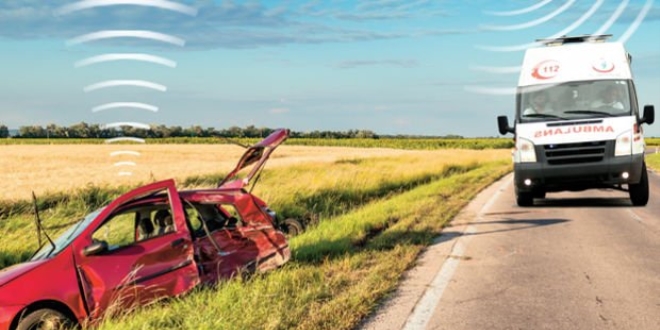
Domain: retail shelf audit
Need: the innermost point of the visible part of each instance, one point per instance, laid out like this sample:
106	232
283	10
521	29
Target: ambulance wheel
525	199
540	194
639	192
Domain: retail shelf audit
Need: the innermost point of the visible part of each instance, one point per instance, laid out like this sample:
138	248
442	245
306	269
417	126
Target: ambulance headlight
623	146
525	150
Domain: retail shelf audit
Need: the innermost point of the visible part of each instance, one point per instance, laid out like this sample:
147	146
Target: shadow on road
583	202
527	224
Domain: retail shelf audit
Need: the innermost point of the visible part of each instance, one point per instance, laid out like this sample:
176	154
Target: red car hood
258	154
12	272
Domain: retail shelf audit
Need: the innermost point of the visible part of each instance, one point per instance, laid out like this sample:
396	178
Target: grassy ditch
340	271
653	161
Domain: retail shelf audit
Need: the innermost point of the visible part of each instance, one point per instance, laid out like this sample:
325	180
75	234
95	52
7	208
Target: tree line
85	130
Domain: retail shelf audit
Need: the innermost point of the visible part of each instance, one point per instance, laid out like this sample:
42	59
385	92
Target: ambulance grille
575	153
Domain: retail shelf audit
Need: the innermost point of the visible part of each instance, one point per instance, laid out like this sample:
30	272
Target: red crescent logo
603	66
546	70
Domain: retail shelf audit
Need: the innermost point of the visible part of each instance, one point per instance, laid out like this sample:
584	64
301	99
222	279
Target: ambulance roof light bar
574	39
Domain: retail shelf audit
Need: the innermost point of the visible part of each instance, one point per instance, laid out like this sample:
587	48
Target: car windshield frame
63	240
586	99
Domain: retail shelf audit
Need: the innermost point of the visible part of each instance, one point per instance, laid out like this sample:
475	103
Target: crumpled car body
150	243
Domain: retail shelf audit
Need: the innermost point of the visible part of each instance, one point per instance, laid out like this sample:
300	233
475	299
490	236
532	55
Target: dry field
44	168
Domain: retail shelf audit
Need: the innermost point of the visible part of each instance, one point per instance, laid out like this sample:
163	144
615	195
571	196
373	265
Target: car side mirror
503	125
649	115
95	248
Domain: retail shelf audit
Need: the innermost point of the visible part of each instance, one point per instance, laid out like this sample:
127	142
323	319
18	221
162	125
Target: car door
119	268
225	252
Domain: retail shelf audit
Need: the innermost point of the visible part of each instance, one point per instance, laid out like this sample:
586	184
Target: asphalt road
585	260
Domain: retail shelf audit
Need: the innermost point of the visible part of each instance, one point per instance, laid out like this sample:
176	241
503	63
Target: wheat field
54	168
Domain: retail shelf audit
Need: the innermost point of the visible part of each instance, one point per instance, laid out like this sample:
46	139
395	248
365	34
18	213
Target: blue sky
392	66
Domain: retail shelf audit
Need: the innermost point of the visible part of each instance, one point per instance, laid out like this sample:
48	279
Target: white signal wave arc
163	4
126	123
638	20
124	173
125	164
617	12
520	11
592	10
124	152
118	83
125	57
141	34
535	22
124	139
115	105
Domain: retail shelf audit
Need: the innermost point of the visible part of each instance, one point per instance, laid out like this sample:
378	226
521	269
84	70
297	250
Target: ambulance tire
540	194
525	199
639	192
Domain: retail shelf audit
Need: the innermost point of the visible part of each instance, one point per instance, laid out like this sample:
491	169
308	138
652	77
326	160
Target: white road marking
427	305
635	216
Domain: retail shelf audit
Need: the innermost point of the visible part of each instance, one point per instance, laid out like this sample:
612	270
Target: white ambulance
577	123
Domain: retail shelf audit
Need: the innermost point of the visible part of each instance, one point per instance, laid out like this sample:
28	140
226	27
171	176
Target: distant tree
32	131
4	131
366	134
176	131
80	130
234	131
160	131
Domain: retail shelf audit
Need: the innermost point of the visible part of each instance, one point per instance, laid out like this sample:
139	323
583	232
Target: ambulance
578	124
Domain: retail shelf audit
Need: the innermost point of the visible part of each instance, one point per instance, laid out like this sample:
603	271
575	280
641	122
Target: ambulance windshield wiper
591	112
544	115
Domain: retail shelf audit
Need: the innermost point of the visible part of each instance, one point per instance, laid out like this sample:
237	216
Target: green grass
654	141
653	161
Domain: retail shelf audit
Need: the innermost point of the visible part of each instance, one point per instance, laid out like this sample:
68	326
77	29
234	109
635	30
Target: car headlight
525	151
623	145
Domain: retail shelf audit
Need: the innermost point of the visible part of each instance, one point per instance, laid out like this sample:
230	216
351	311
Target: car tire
45	318
639	192
292	227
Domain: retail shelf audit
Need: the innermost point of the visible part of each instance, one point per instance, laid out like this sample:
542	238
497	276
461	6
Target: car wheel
639	192
43	319
292	227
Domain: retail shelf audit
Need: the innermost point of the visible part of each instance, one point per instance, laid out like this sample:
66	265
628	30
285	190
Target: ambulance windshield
574	100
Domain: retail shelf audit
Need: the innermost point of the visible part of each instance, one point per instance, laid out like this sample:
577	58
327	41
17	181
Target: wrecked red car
153	242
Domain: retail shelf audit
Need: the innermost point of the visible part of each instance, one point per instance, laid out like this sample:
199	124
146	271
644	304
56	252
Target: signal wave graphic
141	34
162	4
574	25
115	105
125	57
119	83
136	57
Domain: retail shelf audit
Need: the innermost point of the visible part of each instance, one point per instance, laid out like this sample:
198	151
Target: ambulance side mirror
649	115
503	125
